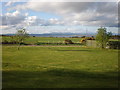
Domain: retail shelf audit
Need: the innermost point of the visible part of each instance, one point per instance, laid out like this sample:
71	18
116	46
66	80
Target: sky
58	17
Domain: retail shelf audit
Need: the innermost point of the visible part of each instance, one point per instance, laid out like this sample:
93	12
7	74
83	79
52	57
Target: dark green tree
103	37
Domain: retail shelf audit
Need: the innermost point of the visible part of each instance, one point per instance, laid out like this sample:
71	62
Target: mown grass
59	67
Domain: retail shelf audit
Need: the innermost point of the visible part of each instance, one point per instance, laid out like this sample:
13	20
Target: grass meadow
59	67
32	40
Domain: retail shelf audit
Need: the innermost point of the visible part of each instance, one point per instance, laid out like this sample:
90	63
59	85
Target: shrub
5	42
114	44
38	43
11	42
24	43
68	41
83	41
83	36
89	38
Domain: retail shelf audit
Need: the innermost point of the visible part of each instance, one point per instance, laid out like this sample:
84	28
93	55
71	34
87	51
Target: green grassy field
59	67
33	40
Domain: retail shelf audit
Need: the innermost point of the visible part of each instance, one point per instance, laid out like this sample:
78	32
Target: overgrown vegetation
114	45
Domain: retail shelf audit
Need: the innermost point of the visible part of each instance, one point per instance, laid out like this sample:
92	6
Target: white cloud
16	19
3	27
55	21
72	13
26	14
30	20
10	2
76	12
12	18
16	13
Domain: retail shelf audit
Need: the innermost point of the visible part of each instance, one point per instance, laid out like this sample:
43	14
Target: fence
110	45
91	43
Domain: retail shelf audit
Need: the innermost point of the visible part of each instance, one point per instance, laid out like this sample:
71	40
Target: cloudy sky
63	17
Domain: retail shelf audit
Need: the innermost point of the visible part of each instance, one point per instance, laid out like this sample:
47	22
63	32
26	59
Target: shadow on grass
68	50
75	50
59	78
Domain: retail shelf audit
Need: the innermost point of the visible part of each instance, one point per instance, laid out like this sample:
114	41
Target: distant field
33	40
55	67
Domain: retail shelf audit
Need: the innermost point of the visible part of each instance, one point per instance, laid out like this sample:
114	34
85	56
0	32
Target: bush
114	44
83	36
38	43
5	42
90	38
24	43
68	41
83	41
9	42
13	42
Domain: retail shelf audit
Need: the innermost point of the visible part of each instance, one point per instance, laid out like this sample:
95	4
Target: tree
103	37
21	35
